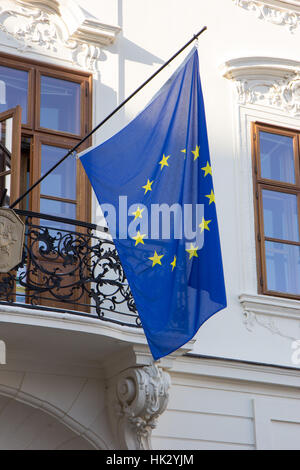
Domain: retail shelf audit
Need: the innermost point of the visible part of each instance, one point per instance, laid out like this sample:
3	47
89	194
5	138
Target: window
56	114
10	145
276	166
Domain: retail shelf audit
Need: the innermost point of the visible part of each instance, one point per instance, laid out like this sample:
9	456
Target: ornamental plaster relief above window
266	82
57	28
280	12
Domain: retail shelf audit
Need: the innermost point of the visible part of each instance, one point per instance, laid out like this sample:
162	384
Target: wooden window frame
70	77
61	142
15	173
259	184
33	129
19	64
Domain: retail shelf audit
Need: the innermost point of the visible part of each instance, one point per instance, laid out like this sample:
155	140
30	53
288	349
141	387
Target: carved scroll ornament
141	397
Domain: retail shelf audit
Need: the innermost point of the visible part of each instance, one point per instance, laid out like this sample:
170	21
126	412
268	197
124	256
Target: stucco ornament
291	95
56	27
279	12
266	82
12	232
282	94
141	397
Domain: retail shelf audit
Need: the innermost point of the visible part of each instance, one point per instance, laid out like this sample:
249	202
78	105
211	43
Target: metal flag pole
70	152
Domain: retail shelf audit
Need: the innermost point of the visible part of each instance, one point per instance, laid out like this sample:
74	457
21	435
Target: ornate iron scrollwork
70	268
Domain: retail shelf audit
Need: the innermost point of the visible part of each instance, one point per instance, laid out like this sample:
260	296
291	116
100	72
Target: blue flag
156	176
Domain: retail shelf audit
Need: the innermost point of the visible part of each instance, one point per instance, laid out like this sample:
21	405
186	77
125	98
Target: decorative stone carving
279	316
141	396
279	12
251	320
266	81
281	94
11	239
288	94
56	27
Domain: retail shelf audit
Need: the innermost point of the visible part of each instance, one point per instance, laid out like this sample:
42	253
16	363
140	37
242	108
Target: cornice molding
279	12
190	368
266	81
57	28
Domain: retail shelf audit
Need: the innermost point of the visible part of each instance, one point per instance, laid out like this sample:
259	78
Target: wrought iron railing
69	266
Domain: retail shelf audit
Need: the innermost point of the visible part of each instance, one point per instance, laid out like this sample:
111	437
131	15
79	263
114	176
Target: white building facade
71	381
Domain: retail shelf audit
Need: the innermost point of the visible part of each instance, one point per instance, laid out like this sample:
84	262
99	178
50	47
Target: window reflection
280	215
277	157
60	209
5	161
62	181
283	267
6	133
13	90
60	105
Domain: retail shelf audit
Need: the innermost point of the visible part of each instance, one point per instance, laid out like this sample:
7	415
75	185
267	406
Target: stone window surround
265	89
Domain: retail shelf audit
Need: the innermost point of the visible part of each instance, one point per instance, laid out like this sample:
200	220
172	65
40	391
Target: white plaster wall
47	406
151	32
217	405
24	427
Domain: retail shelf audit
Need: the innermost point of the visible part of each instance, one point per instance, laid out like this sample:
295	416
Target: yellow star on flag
207	169
147	186
183	151
173	264
139	238
204	224
138	213
155	259
211	197
164	161
192	251
196	152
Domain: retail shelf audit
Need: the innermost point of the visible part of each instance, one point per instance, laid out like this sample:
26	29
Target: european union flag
156	173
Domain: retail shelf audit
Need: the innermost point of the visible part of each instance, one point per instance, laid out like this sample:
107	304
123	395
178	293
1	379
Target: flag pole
70	152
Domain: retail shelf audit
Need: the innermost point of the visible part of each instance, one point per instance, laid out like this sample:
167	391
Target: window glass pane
25	169
283	267
280	215
277	157
13	89
5	160
6	133
60	105
59	209
62	181
5	190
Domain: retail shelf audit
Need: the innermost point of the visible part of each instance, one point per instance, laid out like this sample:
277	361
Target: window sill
280	316
268	305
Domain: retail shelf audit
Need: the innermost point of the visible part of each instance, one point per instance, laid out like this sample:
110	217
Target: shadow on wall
125	50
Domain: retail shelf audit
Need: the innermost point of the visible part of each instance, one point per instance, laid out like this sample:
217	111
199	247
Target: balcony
69	266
